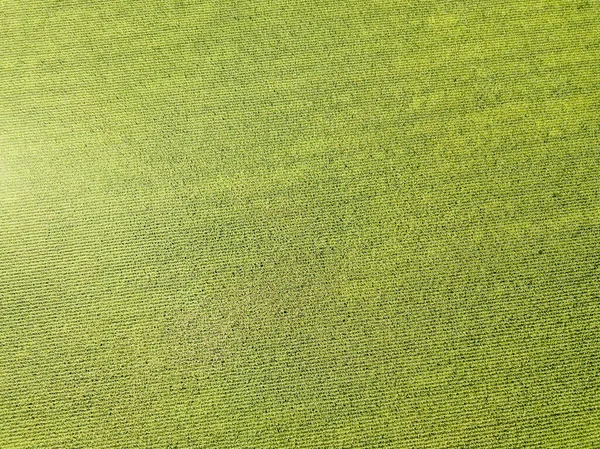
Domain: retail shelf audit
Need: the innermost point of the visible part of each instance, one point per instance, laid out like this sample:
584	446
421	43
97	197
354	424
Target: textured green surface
256	224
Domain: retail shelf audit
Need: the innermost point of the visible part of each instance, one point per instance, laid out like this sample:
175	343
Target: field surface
299	224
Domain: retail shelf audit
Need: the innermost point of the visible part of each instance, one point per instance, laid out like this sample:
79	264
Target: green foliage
262	224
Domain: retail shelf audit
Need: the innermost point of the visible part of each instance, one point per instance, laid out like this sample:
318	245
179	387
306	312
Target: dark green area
265	224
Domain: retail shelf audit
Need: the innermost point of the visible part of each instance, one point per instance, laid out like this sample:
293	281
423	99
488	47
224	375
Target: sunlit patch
4	173
11	184
443	20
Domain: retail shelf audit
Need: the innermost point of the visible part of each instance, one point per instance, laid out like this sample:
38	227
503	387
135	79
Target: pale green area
260	224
